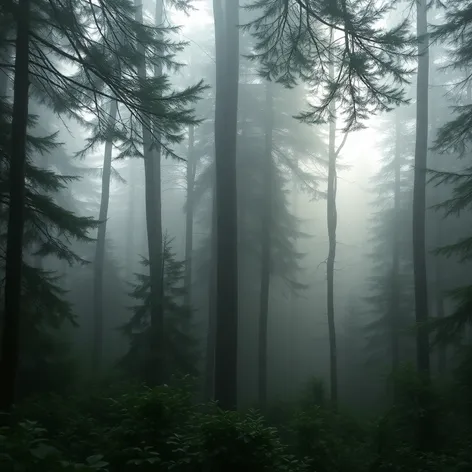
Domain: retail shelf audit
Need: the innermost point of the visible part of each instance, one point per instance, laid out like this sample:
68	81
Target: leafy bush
332	440
25	448
231	441
158	429
129	428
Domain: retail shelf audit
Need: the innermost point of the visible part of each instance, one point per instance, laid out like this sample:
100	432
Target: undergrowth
135	428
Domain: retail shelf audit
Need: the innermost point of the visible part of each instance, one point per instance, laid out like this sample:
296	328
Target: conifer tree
190	180
226	15
371	59
453	138
151	103
419	192
391	284
266	243
16	215
181	349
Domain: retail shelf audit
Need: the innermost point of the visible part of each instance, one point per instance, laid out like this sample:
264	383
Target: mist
251	207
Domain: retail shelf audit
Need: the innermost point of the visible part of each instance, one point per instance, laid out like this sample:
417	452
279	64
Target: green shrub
231	441
25	448
158	429
333	441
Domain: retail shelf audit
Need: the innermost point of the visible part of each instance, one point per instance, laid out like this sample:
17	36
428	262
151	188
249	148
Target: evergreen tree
150	102
226	15
293	43
266	243
287	147
181	348
391	285
16	215
48	228
454	138
419	194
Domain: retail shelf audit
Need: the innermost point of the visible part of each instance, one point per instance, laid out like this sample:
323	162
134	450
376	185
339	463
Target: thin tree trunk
266	219
293	304
332	221
191	170
438	287
440	313
130	230
211	332
3	82
100	249
14	251
419	216
152	178
395	294
39	258
226	13
4	90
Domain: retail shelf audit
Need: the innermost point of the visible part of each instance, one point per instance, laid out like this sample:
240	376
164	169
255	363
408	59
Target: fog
273	210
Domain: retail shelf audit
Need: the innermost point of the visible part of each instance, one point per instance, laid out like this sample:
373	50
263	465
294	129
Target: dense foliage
132	427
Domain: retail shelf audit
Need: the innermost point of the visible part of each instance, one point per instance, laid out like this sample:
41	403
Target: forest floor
134	428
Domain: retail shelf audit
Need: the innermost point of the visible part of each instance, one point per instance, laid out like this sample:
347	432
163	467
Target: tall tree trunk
438	281
100	249
38	259
440	311
419	215
332	221
226	14
16	215
152	178
266	229
191	170
130	229
211	331
3	82
395	294
293	304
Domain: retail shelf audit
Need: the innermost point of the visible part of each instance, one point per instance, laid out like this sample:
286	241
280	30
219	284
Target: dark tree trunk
14	251
191	170
226	13
332	221
293	304
266	228
3	82
440	313
211	332
130	230
438	297
39	258
395	294
419	219
100	249
152	178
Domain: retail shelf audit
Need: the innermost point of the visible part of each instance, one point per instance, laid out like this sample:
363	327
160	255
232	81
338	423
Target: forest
235	235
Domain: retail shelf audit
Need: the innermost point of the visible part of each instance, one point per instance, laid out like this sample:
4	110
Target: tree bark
266	229
14	251
100	249
419	218
226	14
332	221
293	304
130	230
191	170
395	294
152	178
211	332
3	83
